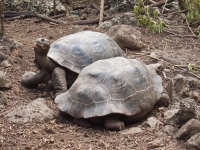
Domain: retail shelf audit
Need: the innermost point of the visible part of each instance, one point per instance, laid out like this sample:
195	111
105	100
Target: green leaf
155	14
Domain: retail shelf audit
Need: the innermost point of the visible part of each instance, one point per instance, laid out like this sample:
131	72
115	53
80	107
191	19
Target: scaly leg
59	80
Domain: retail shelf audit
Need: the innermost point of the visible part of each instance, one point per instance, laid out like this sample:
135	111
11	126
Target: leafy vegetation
143	14
192	67
193	14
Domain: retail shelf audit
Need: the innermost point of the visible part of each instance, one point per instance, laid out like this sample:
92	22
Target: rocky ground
175	48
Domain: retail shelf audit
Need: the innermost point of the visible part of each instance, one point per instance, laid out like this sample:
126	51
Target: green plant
193	13
192	67
143	15
193	7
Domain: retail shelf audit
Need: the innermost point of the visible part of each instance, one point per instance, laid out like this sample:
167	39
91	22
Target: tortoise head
41	46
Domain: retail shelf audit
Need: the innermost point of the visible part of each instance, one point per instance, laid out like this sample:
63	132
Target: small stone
170	130
187	130
156	143
132	130
1	140
166	70
194	141
4	81
179	83
3	98
153	122
170	117
17	44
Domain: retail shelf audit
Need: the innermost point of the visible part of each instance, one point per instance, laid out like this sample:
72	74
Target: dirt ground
174	47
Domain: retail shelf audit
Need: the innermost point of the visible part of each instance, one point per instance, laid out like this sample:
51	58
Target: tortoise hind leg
113	122
59	80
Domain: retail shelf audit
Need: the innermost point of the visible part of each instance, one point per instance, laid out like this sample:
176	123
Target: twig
179	35
88	6
101	12
164	6
97	8
190	28
54	7
83	22
160	3
185	66
174	65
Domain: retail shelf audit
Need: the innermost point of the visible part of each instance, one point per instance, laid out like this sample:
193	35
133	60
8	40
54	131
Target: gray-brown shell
76	51
115	85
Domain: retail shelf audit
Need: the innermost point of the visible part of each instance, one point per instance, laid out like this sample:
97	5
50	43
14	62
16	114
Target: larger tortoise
67	56
113	91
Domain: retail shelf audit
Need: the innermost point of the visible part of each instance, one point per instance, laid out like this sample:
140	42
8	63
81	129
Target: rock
156	143
35	111
170	117
188	109
122	5
194	141
7	62
36	6
126	36
188	129
3	99
132	130
17	44
1	140
152	122
4	81
170	130
179	83
2	56
126	19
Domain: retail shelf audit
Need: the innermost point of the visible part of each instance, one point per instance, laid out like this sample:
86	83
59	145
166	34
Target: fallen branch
16	14
13	18
50	19
97	8
53	17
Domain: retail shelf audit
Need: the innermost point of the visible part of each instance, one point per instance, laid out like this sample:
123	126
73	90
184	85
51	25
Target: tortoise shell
76	51
116	85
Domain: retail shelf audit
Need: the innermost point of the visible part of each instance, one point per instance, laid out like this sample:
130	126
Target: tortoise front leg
31	79
59	80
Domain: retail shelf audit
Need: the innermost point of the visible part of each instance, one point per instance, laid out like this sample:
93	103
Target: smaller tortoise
113	91
67	56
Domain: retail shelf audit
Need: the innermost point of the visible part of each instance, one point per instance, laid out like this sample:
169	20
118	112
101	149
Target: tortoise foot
114	124
81	122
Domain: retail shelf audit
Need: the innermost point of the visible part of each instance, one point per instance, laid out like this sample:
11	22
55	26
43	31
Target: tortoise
67	56
112	92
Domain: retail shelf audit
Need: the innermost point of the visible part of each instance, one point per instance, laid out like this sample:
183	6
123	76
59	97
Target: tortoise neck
46	63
